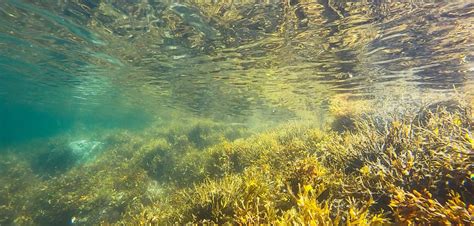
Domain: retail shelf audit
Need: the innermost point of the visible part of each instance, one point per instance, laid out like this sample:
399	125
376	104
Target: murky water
81	68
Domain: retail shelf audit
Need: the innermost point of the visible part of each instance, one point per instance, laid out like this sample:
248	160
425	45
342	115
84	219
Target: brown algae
406	169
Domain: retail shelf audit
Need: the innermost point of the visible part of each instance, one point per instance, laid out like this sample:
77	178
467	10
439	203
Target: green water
85	79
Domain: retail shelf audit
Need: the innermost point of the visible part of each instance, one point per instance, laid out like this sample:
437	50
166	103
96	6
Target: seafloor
363	167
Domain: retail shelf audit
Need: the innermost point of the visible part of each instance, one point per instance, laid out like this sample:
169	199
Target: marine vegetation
414	167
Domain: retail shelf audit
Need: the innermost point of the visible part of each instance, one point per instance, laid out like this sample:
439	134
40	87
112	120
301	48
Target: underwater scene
305	112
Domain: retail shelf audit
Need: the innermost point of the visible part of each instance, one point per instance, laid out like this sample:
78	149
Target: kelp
409	168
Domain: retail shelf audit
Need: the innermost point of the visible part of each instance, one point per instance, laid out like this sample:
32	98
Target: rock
84	149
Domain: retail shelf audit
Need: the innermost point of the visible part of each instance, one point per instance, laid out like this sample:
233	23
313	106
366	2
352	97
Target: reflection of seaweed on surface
410	168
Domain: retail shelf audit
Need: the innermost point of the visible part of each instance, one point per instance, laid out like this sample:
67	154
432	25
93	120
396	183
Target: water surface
226	60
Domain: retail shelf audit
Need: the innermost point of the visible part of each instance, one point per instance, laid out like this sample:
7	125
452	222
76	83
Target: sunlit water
72	71
123	64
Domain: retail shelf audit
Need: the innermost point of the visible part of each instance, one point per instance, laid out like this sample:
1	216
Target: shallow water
75	70
129	61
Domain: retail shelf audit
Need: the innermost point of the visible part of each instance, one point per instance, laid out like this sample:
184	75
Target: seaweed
53	161
409	168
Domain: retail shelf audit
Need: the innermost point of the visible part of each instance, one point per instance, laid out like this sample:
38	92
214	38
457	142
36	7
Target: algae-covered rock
58	157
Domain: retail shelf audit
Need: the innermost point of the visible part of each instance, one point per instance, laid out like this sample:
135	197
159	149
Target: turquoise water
65	59
87	59
78	71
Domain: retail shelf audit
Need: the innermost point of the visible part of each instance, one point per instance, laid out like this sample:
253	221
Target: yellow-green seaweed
410	168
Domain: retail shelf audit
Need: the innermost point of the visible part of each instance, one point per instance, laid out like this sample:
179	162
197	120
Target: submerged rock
84	149
61	157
